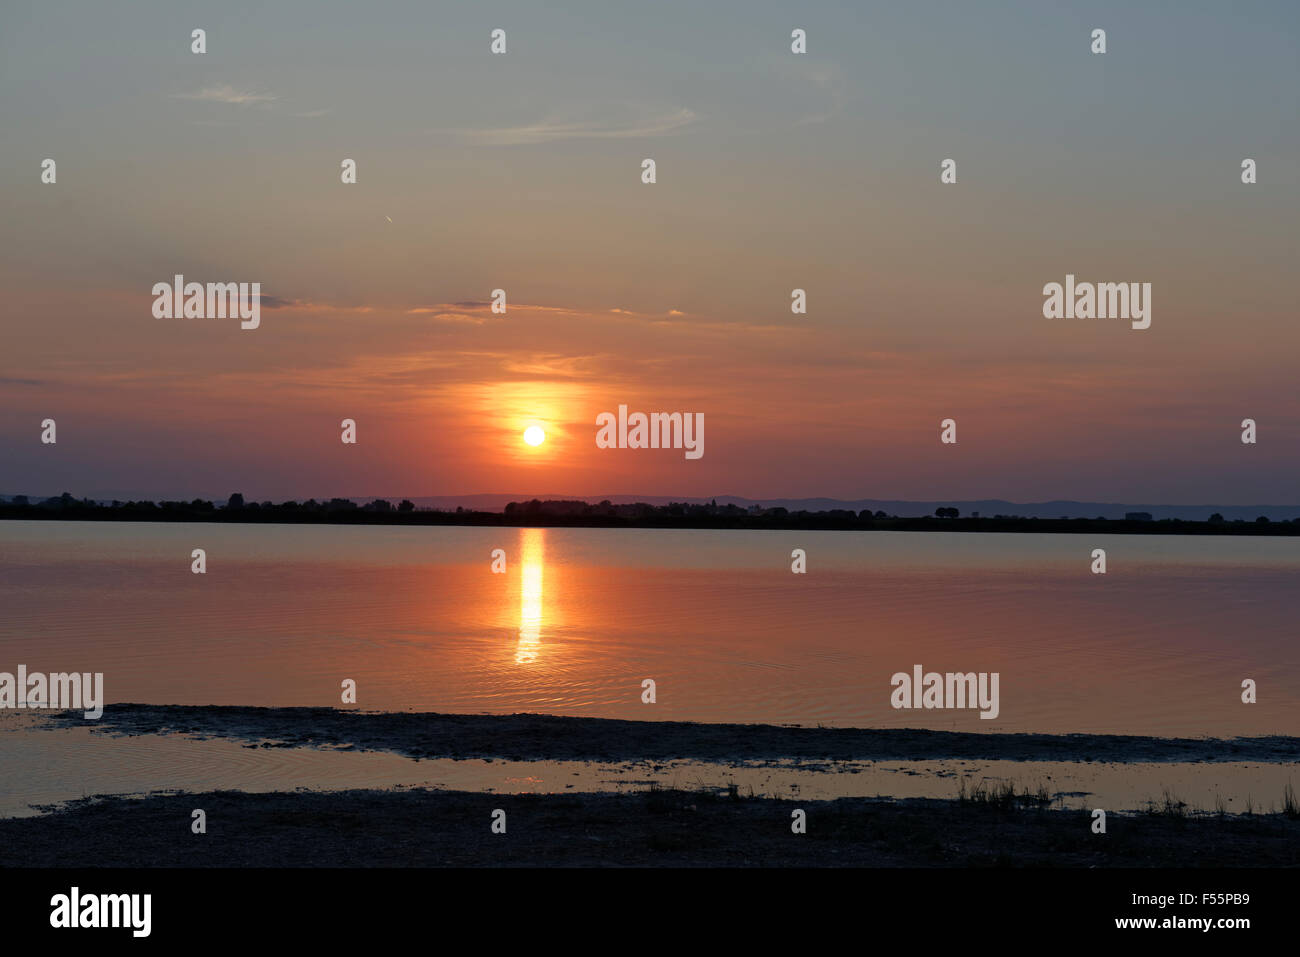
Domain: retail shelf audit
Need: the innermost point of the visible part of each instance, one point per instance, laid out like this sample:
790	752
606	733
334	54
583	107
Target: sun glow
532	562
534	435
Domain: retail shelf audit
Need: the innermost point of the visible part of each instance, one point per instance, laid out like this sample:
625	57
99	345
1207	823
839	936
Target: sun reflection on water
532	561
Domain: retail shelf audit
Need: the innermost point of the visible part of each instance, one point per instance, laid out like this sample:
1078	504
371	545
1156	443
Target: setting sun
534	435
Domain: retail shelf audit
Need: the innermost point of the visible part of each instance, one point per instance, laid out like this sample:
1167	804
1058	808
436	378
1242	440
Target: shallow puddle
47	767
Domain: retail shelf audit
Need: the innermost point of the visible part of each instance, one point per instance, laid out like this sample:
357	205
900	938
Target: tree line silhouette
577	513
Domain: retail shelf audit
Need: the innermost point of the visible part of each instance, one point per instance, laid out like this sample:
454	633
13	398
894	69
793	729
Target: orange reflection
532	560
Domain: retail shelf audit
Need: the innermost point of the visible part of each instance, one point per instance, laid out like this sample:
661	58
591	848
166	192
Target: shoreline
654	825
653	828
523	737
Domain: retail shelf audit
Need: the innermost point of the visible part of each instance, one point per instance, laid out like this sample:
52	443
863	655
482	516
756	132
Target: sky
775	171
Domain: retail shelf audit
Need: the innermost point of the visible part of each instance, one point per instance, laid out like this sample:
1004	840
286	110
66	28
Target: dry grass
1003	795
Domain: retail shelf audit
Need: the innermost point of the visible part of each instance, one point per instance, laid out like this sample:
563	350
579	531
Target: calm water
1159	645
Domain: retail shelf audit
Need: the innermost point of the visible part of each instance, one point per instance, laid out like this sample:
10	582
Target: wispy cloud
554	129
267	301
825	78
225	93
479	311
441	315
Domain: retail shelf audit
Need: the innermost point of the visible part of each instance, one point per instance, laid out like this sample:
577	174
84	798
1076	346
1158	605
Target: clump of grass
1168	806
1290	807
1002	794
1220	806
660	799
671	799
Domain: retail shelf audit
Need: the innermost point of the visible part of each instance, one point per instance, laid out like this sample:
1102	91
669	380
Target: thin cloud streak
225	93
553	131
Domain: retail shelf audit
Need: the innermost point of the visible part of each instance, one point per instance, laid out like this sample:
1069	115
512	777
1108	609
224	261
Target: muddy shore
526	737
654	828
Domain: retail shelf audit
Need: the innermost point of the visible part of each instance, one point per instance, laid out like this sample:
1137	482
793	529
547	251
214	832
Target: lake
1159	645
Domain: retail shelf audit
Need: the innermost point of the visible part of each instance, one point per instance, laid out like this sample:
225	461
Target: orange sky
774	172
